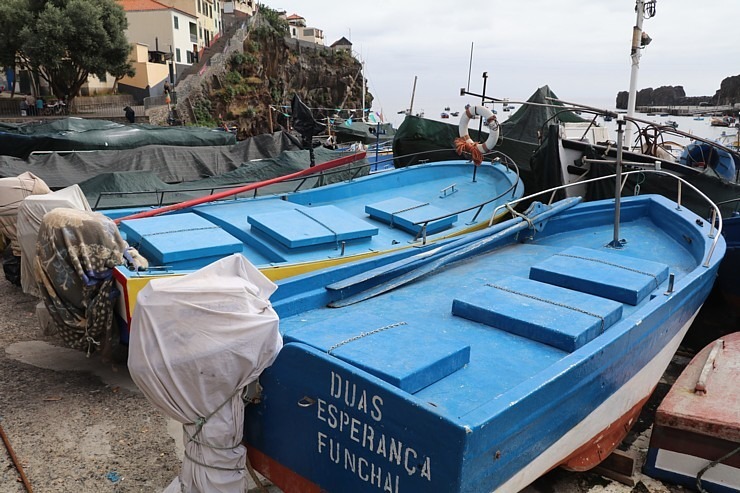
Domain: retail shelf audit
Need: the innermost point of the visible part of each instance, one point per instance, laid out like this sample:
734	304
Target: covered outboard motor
75	255
12	193
30	214
196	342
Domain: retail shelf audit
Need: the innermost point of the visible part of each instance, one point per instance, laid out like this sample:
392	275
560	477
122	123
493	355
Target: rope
179	231
555	303
401	211
466	145
524	217
710	465
363	334
256	480
336	237
655	278
199	423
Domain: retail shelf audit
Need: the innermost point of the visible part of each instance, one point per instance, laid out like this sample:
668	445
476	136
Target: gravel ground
71	430
79	425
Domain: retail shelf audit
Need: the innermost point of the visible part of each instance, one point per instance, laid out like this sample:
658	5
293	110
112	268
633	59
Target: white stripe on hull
689	466
616	406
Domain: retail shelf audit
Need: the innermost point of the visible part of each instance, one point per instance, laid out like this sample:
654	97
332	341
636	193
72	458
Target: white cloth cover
30	214
12	192
195	343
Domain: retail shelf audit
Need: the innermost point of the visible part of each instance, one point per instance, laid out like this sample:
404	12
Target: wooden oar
397	274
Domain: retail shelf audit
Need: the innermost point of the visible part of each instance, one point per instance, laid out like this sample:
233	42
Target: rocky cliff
254	89
728	93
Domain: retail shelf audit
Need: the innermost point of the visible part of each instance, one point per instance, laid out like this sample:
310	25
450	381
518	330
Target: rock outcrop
254	88
728	93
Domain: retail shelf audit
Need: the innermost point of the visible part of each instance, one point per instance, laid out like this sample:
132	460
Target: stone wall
190	89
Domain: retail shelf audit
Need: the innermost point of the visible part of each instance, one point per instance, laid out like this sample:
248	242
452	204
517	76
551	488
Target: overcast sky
579	48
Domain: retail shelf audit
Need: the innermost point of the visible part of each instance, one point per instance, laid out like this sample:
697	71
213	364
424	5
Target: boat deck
361	217
507	350
425	309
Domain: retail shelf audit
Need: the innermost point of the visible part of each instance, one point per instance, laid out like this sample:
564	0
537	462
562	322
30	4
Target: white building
299	30
169	36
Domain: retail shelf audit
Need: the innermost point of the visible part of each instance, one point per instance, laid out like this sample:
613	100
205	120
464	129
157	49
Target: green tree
68	40
14	16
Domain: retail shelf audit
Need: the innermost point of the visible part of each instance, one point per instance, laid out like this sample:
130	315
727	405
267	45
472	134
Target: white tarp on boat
196	342
12	192
30	214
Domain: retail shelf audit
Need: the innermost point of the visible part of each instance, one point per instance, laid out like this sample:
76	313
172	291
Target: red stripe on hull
281	476
599	447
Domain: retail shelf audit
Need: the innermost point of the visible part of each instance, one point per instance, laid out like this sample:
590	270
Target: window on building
177	55
199	7
177	22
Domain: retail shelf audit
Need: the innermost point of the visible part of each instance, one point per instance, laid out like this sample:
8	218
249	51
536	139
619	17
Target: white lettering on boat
345	415
342	389
364	469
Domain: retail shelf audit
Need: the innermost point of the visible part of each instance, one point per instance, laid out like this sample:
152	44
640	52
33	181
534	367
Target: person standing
39	106
31	102
130	114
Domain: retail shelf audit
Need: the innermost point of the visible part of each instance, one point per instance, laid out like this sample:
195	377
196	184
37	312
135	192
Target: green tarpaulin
80	134
419	139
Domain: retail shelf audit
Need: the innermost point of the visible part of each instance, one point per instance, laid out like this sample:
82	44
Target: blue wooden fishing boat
484	363
295	232
702	154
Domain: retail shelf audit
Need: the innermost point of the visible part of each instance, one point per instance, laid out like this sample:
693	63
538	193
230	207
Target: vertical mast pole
470	65
364	119
635	55
413	92
616	242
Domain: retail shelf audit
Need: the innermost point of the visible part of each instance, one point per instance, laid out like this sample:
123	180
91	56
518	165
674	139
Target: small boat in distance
672	123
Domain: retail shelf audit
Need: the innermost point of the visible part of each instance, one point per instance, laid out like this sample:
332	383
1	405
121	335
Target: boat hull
308	230
352	427
729	270
699	422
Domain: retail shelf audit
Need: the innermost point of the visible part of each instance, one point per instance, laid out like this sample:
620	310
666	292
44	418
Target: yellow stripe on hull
134	285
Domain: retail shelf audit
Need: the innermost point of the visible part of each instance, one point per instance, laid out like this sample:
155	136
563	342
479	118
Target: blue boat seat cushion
601	273
399	352
403	212
307	226
177	238
552	315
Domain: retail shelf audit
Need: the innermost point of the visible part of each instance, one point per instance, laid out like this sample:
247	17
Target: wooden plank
619	466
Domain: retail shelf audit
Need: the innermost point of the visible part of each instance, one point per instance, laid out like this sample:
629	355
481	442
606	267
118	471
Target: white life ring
490	119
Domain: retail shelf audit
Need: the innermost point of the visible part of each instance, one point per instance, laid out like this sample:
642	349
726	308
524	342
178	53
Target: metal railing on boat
716	219
500	158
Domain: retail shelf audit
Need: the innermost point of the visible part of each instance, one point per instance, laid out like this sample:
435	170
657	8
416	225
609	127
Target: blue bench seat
180	239
309	226
602	273
552	315
403	213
